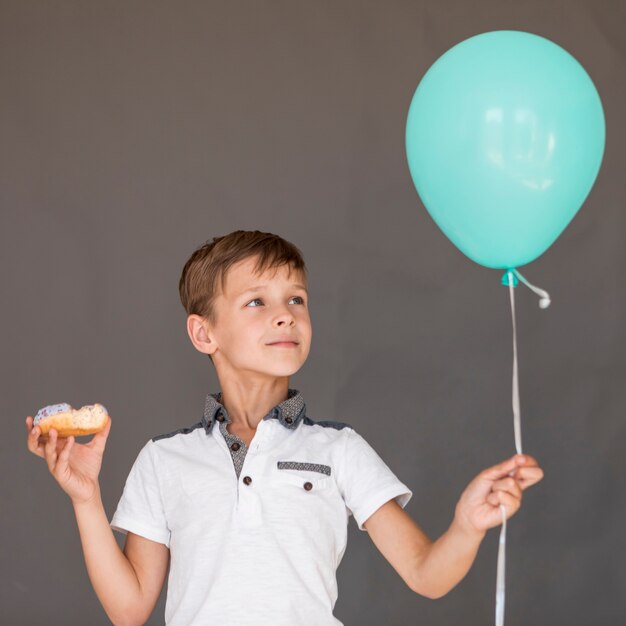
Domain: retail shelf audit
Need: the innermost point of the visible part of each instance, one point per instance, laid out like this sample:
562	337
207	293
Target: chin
282	370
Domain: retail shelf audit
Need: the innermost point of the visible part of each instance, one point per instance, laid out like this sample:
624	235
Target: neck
248	402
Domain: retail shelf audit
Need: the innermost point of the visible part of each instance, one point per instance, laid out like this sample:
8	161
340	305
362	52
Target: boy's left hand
478	508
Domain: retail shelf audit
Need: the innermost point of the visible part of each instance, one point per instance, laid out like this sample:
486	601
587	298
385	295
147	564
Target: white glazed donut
89	419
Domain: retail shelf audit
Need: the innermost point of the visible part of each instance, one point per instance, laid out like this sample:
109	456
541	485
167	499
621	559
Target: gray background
134	131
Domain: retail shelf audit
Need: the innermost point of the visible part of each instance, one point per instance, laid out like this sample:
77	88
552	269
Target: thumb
99	440
501	469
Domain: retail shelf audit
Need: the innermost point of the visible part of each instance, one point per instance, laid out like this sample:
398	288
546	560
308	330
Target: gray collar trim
289	412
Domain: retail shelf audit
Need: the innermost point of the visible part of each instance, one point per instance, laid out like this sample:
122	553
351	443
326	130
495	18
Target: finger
531	461
525	460
493	499
33	443
511	503
501	469
63	459
51	450
509	485
29	427
29	430
527	476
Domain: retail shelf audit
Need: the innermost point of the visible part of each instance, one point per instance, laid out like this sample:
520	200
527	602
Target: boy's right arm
127	583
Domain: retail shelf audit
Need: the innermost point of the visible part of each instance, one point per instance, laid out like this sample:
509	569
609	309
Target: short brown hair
209	263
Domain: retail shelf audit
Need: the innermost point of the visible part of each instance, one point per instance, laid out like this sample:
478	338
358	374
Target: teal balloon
504	139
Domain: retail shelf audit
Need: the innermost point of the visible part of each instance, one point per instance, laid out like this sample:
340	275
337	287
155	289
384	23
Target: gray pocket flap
311	467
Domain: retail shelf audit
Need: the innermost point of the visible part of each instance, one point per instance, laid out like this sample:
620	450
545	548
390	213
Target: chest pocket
309	476
303	494
302	480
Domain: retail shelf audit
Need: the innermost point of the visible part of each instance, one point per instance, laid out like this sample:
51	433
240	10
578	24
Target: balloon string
501	568
544	301
500	571
516	403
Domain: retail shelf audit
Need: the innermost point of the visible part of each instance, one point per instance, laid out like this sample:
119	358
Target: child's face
255	311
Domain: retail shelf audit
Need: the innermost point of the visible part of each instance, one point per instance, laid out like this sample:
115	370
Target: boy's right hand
75	466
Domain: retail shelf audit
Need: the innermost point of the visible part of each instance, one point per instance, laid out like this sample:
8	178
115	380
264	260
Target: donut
87	420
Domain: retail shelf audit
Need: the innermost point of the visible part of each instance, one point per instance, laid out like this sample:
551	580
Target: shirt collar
289	412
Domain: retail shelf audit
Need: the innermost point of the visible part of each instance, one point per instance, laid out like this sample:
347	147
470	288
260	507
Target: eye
300	300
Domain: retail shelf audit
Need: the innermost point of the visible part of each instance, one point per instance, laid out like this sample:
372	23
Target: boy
249	506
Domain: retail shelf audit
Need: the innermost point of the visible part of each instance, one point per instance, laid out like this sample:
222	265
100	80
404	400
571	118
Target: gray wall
133	131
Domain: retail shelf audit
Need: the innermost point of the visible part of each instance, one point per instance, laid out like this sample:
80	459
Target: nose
285	319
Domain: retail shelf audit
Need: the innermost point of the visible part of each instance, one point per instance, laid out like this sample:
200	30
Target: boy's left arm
430	568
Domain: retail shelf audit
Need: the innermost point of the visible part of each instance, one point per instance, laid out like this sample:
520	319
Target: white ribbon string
517	427
500	583
500	571
544	303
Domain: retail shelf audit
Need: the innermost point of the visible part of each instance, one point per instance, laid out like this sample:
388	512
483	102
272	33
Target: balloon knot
505	278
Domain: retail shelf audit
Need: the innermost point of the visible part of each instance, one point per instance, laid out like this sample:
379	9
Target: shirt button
235	446
308	486
247	480
289	420
220	418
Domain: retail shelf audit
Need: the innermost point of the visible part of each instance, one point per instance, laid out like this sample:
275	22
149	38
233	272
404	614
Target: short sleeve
365	481
140	509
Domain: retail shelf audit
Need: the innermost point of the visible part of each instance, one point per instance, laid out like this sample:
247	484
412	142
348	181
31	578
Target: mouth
286	344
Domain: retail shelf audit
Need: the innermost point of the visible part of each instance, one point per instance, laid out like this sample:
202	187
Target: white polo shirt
255	534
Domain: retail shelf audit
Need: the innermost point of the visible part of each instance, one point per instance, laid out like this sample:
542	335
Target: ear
200	334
